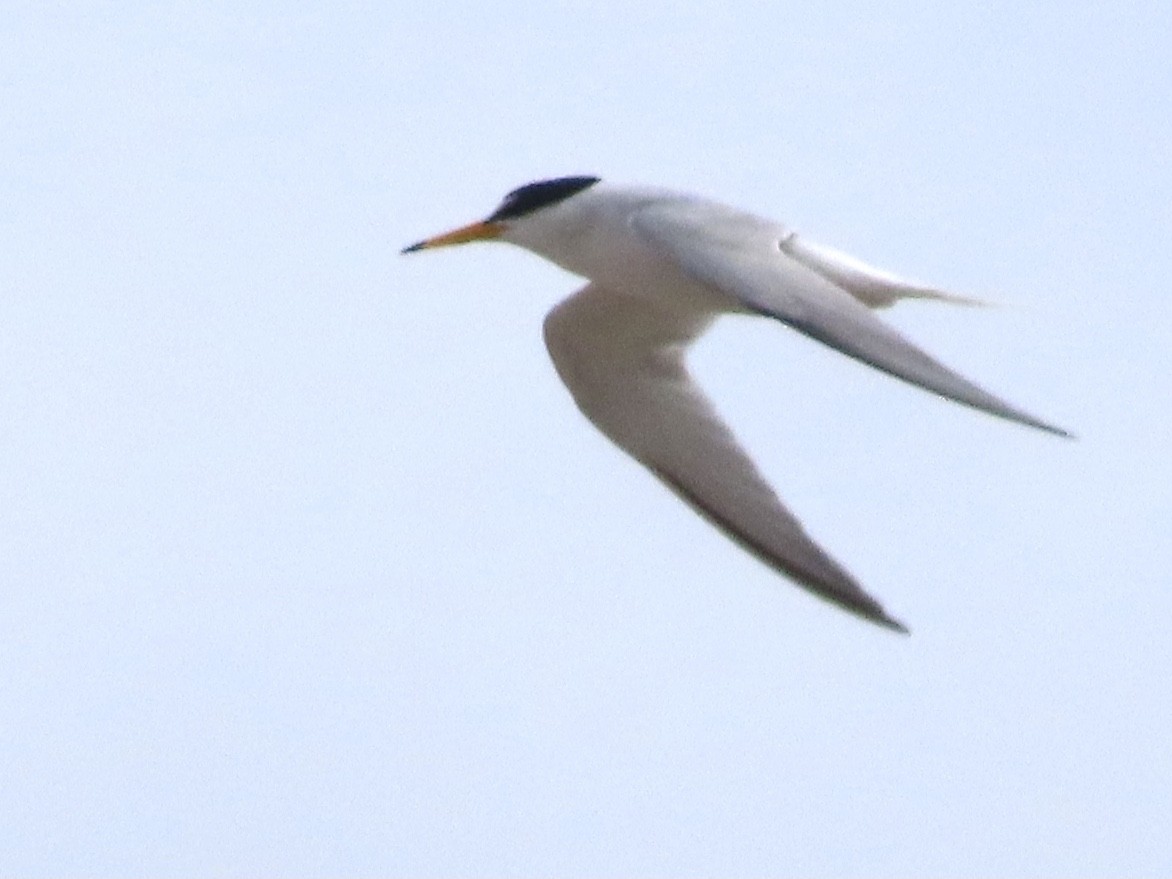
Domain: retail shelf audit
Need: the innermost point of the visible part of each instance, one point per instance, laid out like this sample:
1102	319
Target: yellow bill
483	230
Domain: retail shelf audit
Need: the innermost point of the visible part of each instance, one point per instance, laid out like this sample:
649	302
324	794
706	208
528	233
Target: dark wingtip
1054	431
419	245
892	624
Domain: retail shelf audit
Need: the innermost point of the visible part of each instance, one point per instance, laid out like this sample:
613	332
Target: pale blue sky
309	566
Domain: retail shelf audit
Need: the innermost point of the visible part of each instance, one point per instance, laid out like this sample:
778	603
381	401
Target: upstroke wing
746	258
622	359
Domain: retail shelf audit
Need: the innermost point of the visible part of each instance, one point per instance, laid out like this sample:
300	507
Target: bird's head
523	205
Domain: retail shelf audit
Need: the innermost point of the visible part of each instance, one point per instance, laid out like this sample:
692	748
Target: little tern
661	267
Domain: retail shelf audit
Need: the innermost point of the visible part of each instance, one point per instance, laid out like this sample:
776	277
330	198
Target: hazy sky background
309	566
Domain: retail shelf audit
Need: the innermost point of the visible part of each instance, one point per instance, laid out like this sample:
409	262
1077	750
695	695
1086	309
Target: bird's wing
746	258
622	359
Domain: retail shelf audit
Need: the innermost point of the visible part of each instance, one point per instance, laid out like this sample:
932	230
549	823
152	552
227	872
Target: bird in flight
661	266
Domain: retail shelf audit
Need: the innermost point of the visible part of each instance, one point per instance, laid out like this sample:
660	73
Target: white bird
662	266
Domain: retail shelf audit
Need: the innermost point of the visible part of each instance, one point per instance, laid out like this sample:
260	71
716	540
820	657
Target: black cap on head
531	196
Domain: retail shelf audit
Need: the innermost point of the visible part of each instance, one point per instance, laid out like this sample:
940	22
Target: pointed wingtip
1051	429
872	612
419	245
891	623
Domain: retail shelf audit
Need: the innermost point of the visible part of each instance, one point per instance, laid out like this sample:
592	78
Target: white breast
591	235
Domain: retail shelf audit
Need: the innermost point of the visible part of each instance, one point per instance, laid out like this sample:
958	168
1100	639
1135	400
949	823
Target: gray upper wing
745	257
